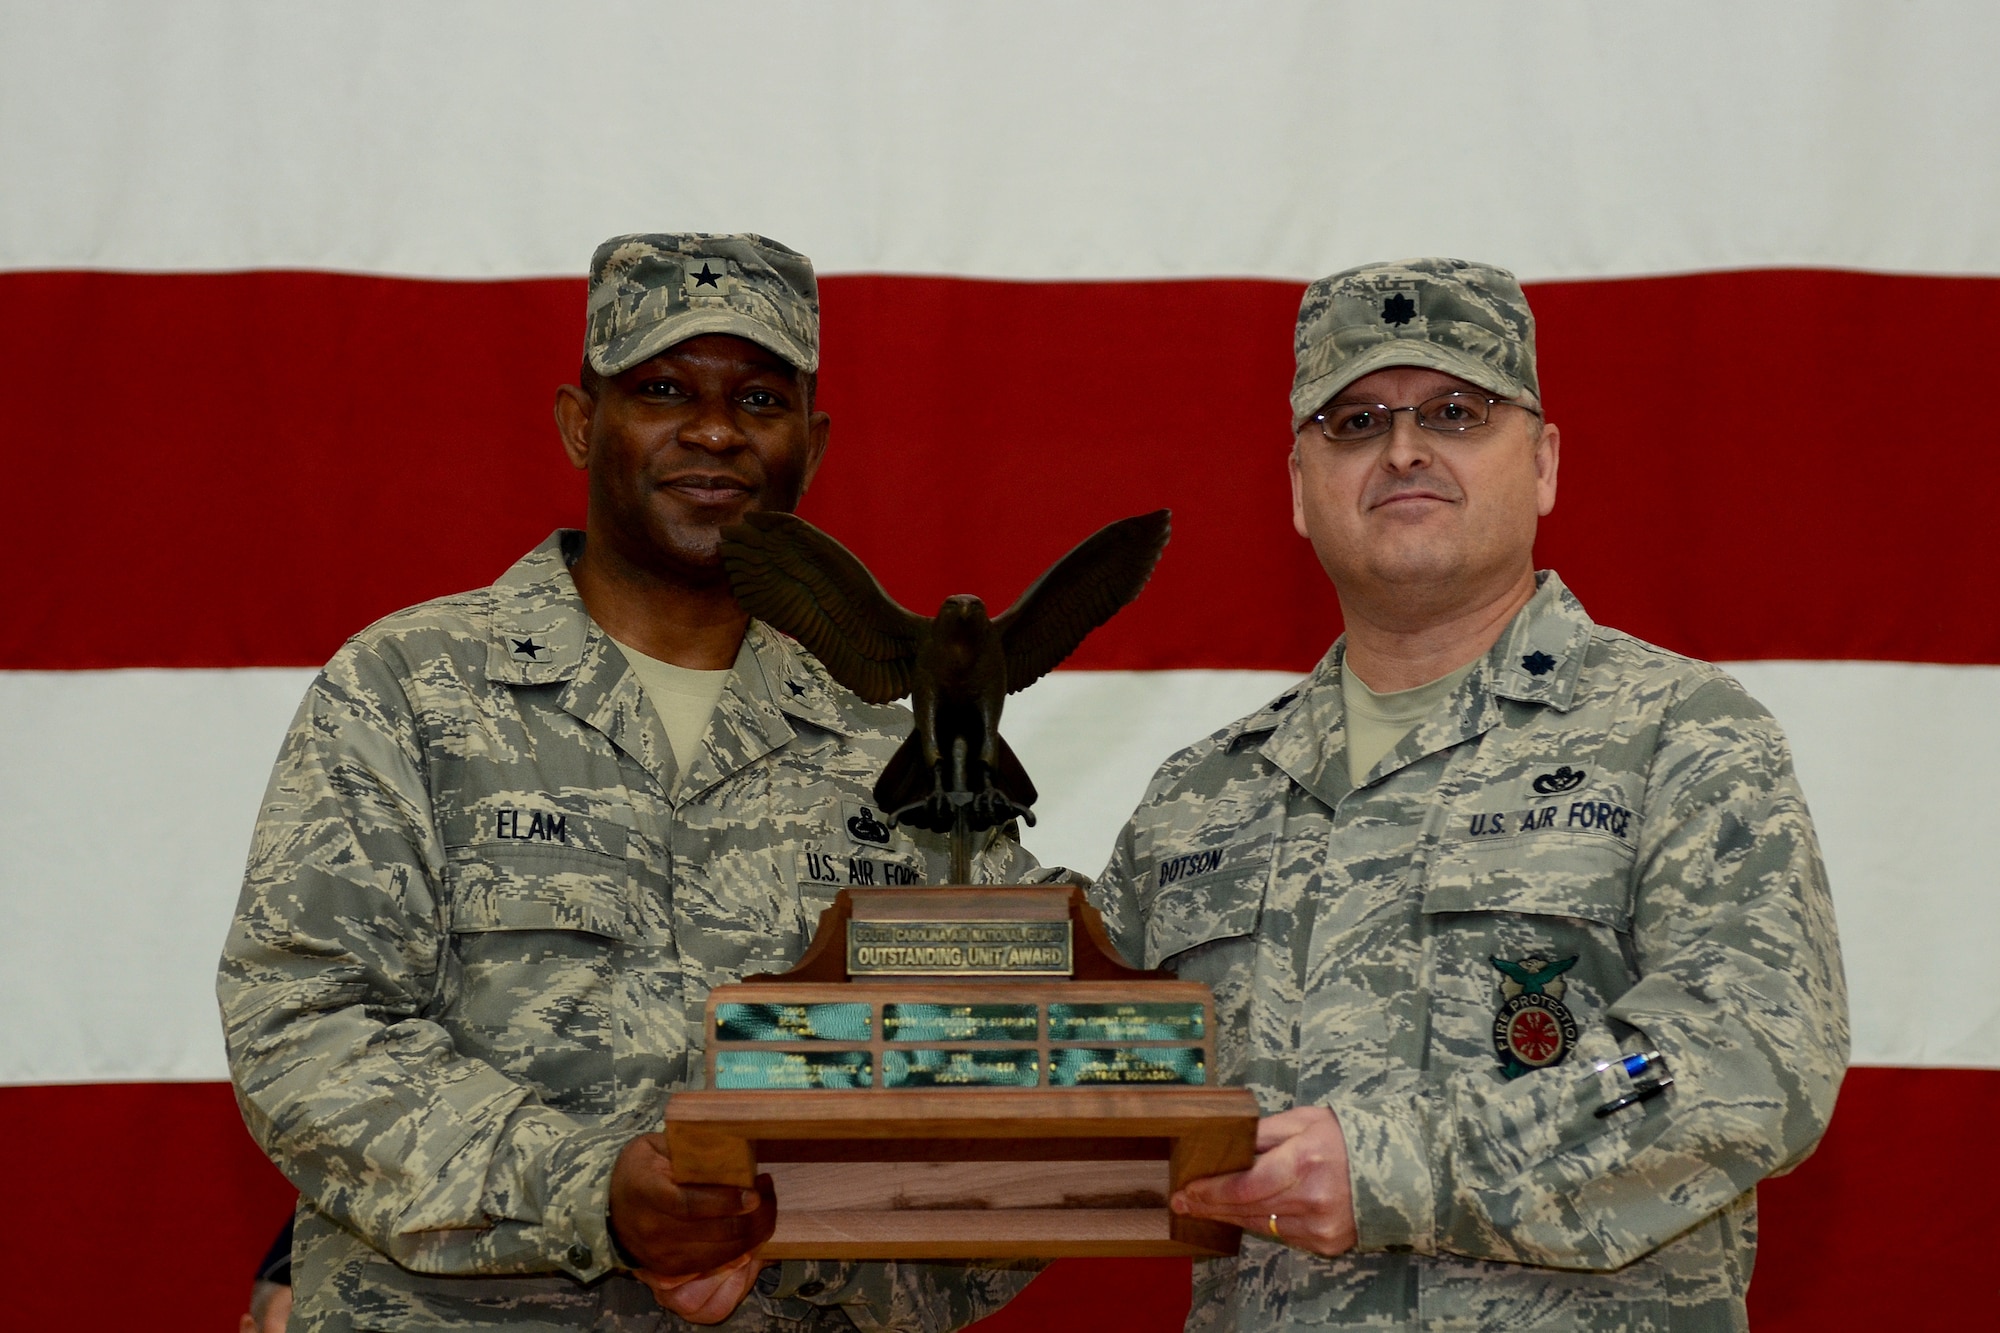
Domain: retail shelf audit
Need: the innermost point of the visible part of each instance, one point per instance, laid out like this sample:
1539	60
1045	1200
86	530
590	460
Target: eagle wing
1078	593
789	574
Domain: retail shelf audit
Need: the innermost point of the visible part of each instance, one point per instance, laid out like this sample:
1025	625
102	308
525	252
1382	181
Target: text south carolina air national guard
514	838
1517	925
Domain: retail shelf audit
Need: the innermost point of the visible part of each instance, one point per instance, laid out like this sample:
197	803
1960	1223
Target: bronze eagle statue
954	772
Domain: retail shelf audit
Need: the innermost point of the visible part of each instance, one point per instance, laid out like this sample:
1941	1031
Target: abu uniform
1582	799
485	906
1588	849
482	915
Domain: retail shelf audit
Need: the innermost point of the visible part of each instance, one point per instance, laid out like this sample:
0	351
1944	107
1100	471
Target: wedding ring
1274	1227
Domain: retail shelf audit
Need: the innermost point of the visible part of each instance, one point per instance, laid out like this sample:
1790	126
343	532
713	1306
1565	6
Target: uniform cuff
1389	1172
821	1281
576	1217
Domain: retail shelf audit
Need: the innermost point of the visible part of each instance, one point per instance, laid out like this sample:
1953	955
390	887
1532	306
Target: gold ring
1273	1224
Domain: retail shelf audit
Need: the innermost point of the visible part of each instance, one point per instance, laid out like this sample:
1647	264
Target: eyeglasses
1452	413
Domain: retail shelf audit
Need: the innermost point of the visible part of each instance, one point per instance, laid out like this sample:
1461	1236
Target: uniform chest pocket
1526	944
1222	904
529	871
542	938
541	888
1553	875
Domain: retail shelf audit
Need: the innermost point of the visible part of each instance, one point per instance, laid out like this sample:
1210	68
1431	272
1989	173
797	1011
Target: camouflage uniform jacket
1581	796
482	913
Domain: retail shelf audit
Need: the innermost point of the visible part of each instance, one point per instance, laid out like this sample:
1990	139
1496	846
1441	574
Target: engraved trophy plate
793	1022
958	948
1008	1067
796	1070
1126	1022
960	1022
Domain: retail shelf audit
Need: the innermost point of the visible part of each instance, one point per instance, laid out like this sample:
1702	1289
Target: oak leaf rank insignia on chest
1533	1028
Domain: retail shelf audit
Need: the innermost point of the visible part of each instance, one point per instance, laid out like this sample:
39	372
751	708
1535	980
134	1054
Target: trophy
960	1071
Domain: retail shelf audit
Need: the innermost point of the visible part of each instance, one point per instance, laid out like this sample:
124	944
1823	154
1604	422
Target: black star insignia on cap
529	649
706	276
1399	309
1538	663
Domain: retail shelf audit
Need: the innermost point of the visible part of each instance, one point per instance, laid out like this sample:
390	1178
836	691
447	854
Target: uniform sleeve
1739	988
335	958
902	1297
1116	894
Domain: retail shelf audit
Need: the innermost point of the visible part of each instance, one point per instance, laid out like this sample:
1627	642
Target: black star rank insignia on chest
528	649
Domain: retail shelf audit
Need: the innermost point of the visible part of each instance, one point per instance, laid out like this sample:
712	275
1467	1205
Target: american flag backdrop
286	289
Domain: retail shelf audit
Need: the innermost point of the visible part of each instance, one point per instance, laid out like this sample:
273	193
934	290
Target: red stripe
235	470
156	1189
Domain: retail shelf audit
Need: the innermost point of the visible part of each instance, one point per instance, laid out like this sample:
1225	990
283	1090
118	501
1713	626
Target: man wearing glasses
1517	925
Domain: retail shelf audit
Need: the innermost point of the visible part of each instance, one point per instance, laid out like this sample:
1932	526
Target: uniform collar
539	628
542	635
1536	660
1540	657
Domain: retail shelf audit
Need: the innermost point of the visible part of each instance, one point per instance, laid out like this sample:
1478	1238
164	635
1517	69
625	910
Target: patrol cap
1465	319
648	292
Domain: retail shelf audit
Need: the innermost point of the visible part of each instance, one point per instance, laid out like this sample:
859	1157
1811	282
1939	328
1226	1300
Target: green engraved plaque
958	1022
958	948
1083	1066
960	1069
791	1069
1125	1022
791	1022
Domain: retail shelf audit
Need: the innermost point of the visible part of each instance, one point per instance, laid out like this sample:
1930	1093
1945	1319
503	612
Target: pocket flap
1220	905
1583	877
500	887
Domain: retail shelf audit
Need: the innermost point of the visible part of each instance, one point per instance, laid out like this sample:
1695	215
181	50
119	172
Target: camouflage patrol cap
649	292
1466	319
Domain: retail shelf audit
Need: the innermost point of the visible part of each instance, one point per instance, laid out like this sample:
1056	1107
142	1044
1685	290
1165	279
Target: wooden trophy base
997	1174
940	1114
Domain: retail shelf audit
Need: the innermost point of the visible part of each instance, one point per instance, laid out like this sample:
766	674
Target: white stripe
126	834
135	793
1135	138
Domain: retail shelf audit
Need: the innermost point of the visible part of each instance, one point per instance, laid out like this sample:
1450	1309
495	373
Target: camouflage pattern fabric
648	292
1465	319
1621	828
482	913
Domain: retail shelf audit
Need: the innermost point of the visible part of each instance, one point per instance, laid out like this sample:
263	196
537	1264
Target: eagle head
962	609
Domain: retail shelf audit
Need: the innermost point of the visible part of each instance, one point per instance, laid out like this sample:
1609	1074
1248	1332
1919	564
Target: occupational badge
1533	1028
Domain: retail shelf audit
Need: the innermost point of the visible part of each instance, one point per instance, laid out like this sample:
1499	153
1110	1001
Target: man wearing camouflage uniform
515	836
1517	925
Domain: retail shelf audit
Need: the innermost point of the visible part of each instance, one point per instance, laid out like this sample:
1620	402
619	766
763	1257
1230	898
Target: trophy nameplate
959	1098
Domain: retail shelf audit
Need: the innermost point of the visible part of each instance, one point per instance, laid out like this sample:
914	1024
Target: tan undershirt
1377	723
684	699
